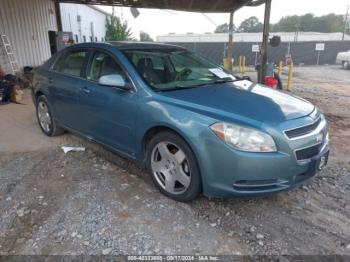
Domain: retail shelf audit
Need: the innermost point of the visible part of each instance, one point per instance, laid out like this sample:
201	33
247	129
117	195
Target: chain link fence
301	52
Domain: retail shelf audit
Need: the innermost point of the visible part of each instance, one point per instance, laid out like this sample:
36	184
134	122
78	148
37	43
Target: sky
161	22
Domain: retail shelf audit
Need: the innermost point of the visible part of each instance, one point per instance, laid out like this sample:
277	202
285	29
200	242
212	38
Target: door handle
85	90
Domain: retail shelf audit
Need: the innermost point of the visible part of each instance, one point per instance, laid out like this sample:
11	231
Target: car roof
121	45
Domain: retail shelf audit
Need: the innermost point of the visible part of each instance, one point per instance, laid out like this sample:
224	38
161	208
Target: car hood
242	99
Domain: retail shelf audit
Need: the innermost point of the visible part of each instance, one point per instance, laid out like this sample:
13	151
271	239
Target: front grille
304	130
308	152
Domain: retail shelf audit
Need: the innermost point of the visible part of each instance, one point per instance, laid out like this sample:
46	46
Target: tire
46	120
346	65
173	167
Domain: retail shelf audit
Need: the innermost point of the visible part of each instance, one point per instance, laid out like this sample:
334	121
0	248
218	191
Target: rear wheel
173	167
45	118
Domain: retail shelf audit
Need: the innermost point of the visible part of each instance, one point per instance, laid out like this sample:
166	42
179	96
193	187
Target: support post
263	51
290	76
243	65
230	41
240	64
280	68
345	23
58	16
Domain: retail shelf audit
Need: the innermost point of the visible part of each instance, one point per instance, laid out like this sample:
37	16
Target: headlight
243	138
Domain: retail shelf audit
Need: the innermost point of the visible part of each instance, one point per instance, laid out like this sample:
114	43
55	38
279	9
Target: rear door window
71	63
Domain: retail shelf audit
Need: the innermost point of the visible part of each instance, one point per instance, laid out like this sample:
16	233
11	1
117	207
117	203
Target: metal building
27	24
31	28
87	23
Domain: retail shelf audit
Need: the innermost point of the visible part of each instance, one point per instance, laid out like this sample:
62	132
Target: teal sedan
195	127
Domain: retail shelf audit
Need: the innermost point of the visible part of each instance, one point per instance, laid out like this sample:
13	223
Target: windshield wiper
220	81
180	87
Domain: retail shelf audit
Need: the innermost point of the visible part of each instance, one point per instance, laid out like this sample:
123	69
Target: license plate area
318	163
321	162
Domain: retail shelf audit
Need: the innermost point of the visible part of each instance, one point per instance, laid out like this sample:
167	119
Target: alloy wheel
170	167
44	116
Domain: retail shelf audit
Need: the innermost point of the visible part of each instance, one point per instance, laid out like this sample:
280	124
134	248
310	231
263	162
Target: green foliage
251	25
310	23
223	28
305	23
287	24
145	37
117	30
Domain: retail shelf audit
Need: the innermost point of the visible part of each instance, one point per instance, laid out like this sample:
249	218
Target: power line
207	17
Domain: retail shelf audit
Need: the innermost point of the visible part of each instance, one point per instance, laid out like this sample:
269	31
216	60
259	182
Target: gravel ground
94	202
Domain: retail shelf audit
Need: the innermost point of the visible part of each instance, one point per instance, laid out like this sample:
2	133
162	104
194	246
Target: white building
250	37
31	26
87	23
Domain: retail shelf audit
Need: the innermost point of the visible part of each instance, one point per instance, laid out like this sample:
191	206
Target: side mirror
246	78
114	80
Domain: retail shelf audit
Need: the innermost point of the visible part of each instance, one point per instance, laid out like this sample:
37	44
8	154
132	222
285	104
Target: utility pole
345	23
263	51
296	33
230	41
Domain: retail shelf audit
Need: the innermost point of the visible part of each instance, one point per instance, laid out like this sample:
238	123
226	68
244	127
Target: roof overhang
205	6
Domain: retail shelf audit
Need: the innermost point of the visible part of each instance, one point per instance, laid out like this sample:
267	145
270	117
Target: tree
251	25
117	30
306	22
145	37
310	23
223	28
329	23
287	24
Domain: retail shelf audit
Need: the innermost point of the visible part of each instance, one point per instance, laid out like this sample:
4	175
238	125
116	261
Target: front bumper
248	187
227	172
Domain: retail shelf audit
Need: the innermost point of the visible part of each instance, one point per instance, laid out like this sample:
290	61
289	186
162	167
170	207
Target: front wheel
45	118
346	65
173	167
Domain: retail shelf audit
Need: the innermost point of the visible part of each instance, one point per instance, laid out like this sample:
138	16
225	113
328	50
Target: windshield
176	69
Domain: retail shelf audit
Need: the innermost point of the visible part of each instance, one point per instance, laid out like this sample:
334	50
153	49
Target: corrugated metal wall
26	23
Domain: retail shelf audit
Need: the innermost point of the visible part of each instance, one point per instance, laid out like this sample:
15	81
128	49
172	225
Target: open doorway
53	41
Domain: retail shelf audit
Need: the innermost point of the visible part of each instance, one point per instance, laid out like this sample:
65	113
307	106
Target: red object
2	72
270	81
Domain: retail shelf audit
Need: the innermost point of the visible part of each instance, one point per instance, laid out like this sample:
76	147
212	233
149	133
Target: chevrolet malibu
195	127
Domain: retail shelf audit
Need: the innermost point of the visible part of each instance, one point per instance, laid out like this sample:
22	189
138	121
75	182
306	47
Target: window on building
84	38
76	38
102	39
71	63
91	39
96	39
